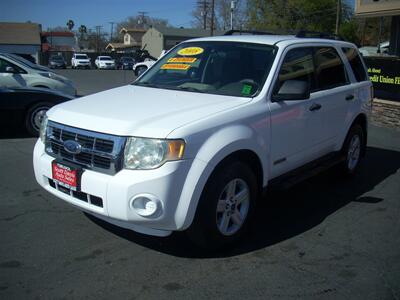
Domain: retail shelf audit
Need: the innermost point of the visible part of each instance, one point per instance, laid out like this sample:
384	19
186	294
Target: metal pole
380	35
212	18
232	8
338	10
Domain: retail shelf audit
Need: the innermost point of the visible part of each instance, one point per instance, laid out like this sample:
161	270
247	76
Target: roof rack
248	32
316	34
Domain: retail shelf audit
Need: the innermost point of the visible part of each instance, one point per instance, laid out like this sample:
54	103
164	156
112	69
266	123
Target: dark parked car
57	61
25	107
125	63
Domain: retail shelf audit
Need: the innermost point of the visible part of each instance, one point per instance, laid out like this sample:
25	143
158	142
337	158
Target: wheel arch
236	143
362	120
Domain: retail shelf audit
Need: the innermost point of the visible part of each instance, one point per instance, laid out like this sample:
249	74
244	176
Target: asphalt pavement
326	238
94	81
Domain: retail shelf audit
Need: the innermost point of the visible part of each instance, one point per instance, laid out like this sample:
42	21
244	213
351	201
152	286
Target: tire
34	116
352	150
220	219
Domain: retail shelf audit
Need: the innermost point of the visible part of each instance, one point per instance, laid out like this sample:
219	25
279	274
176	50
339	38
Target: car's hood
82	59
140	111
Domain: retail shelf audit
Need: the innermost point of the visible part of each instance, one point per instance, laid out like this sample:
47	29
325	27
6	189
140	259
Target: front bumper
117	191
109	67
82	64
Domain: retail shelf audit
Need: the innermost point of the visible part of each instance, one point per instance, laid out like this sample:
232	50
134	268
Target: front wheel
225	206
34	117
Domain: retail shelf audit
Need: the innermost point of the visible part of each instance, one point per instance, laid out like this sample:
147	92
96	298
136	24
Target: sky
52	13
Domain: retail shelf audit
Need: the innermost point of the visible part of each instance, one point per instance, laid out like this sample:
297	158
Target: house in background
132	40
59	41
20	38
156	39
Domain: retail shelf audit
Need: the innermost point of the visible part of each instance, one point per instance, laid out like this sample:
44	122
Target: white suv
193	142
80	61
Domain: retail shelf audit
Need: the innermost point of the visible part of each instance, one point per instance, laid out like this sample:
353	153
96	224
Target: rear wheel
34	117
225	207
352	150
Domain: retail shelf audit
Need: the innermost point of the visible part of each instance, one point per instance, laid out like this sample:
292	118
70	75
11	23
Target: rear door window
330	69
356	64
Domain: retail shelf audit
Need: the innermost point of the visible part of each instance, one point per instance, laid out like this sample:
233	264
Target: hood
140	111
83	59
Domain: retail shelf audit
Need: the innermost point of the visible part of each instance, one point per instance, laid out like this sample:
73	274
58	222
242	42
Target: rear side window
330	69
356	64
298	64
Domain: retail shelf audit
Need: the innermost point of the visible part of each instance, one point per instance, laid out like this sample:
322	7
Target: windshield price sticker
246	89
175	67
189	60
190	51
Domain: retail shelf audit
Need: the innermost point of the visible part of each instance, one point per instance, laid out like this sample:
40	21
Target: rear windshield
81	56
224	68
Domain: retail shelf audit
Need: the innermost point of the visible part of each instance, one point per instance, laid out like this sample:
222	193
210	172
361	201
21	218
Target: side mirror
11	70
292	90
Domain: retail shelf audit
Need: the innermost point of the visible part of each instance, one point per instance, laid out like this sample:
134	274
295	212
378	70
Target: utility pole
212	18
204	8
338	13
142	15
112	30
98	28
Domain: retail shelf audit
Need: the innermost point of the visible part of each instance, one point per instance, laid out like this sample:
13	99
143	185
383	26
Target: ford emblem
72	147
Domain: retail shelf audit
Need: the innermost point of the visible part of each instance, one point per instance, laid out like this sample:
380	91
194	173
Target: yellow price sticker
175	67
190	51
189	60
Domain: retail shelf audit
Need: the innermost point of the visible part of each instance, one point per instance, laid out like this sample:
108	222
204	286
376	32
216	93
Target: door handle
315	106
349	97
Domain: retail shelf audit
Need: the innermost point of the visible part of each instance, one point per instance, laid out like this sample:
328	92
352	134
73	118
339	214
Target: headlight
43	127
146	154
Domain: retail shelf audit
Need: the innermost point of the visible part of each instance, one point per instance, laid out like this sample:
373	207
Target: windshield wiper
189	89
147	84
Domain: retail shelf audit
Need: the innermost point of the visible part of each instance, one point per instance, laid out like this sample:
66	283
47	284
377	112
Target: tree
294	15
222	18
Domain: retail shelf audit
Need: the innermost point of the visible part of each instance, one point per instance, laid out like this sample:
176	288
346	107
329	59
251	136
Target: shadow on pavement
14	134
282	215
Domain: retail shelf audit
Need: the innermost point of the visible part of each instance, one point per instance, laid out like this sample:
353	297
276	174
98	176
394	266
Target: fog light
146	205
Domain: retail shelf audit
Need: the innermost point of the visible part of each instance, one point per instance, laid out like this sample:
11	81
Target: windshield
81	56
127	59
105	58
26	62
225	68
57	58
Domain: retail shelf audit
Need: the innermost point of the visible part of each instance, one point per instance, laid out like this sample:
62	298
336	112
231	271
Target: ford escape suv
190	145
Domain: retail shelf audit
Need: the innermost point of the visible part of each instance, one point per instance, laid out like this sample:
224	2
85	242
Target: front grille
99	152
94	200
